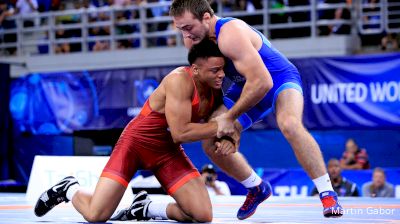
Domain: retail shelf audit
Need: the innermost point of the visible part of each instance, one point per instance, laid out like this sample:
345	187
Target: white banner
48	170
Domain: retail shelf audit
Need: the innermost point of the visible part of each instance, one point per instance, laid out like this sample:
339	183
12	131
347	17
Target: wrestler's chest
204	108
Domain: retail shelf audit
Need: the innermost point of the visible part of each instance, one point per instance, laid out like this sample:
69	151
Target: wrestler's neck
211	33
202	88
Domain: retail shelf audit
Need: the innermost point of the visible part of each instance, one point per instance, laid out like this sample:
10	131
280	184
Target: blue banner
63	102
339	92
351	92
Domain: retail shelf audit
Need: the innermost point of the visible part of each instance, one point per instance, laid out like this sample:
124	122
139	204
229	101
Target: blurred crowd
356	158
337	21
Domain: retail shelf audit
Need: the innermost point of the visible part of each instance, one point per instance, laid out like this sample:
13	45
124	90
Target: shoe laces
328	201
250	199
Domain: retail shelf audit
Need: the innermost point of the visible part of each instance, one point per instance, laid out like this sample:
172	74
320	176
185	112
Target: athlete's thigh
290	102
125	158
183	182
174	169
107	195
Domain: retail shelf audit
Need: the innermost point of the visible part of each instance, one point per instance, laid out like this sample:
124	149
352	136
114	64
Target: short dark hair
196	7
205	49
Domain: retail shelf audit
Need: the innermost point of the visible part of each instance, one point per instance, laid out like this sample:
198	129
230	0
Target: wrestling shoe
54	196
332	209
137	211
255	196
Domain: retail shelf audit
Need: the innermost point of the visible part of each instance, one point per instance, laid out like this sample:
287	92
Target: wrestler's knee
205	216
290	126
97	216
200	214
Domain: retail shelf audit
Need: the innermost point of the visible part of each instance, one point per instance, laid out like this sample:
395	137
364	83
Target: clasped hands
227	140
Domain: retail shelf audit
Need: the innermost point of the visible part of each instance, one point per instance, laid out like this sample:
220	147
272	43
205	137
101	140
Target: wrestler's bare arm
248	63
178	111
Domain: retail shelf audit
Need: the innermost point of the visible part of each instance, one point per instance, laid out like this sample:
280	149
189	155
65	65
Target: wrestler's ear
206	16
195	69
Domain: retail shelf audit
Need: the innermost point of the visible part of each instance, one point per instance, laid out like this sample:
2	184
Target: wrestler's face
191	27
210	71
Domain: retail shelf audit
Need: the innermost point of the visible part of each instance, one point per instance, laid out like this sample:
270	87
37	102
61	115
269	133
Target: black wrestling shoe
54	196
137	211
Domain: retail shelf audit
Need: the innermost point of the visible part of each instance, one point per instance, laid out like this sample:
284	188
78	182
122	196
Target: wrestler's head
207	63
193	18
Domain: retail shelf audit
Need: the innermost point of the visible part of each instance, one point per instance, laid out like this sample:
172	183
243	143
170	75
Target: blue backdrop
351	92
339	92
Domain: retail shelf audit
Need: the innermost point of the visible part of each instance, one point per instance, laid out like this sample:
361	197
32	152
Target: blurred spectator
277	18
44	5
372	23
336	14
378	187
6	10
247	6
91	9
26	7
151	27
389	41
121	16
55	5
243	5
99	45
214	186
171	40
299	16
62	48
341	185
161	26
121	3
159	11
354	158
227	5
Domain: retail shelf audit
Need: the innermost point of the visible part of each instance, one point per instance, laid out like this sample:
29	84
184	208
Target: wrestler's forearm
195	132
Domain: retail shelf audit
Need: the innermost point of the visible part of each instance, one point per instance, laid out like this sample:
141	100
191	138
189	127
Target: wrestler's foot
137	211
255	196
54	196
332	208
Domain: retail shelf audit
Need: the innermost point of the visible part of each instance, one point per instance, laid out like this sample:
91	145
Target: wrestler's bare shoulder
178	75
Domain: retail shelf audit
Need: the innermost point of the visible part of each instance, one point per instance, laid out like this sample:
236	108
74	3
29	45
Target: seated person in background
214	186
378	187
341	185
354	158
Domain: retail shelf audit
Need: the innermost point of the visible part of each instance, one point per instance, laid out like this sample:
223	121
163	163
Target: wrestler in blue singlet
284	75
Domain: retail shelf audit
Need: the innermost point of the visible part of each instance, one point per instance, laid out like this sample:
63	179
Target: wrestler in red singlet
146	143
151	141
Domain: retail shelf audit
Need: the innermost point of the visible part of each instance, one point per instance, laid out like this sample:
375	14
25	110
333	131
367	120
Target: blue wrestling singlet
284	75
